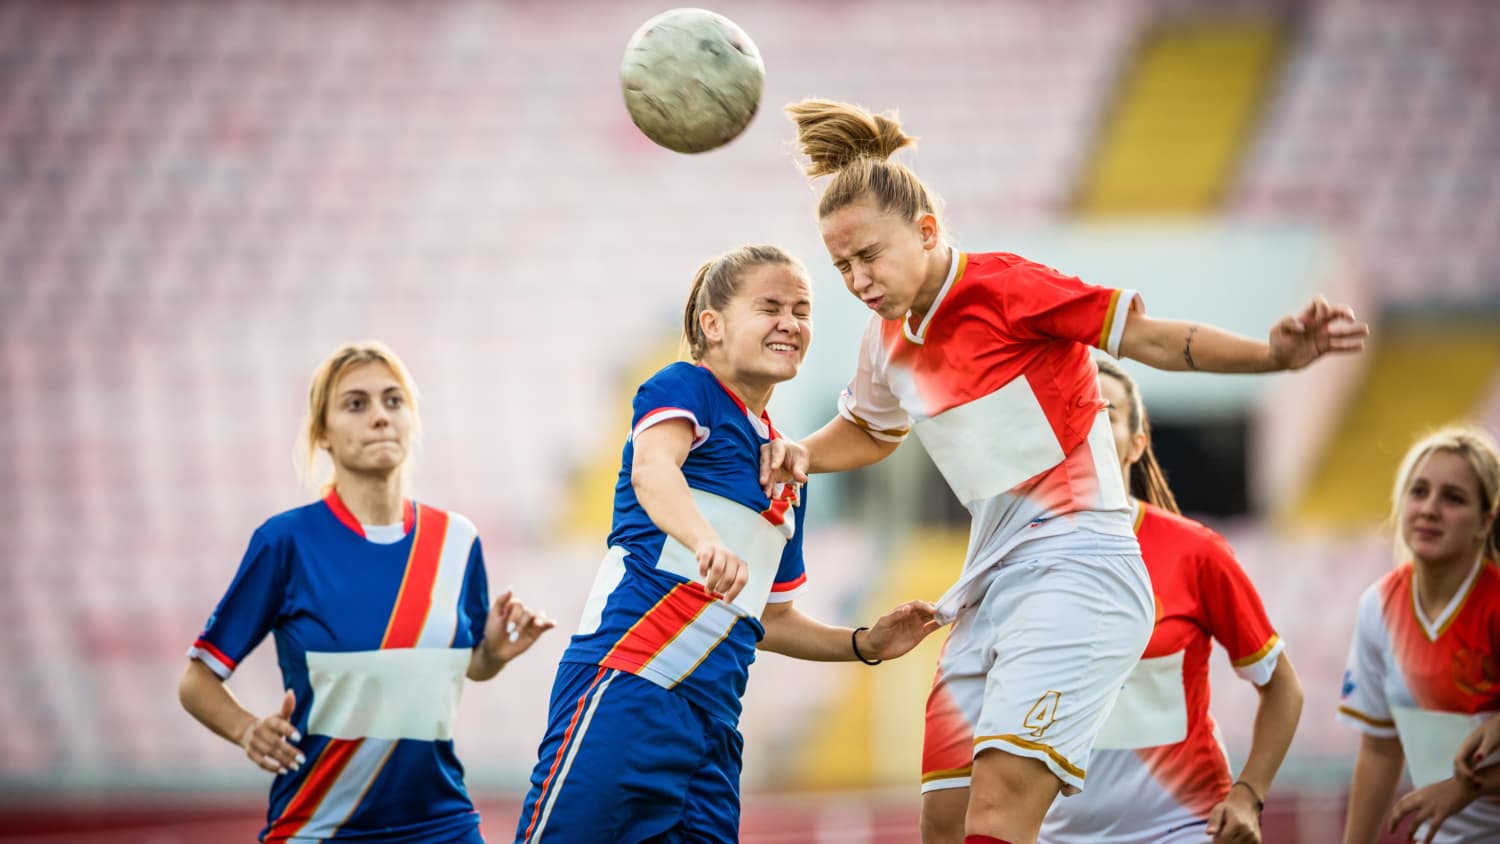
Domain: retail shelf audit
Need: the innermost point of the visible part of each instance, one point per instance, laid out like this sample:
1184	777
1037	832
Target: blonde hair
854	146
717	282
1478	449
1144	478
320	393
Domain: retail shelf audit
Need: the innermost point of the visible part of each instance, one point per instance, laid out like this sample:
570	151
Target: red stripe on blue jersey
415	599
315	785
658	627
790	584
217	654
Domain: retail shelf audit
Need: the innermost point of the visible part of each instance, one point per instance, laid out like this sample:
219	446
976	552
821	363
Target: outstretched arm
838	446
791	632
1294	342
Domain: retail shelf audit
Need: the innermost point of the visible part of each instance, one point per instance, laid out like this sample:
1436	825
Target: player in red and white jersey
1424	668
986	357
1160	774
380	610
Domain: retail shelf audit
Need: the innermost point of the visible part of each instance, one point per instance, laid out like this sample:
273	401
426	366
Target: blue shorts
625	760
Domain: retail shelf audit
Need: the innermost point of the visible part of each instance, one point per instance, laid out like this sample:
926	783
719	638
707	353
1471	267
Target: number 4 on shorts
1043	714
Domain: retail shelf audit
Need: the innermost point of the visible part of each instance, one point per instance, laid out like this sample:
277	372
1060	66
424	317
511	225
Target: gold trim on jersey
1258	655
1360	716
1061	761
866	426
1457	610
1109	320
949	774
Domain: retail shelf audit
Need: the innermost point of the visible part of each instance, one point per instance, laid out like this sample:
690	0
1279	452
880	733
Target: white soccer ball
692	79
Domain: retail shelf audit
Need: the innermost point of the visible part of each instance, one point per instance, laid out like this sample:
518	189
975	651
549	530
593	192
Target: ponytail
833	135
1144	477
1148	482
693	342
854	146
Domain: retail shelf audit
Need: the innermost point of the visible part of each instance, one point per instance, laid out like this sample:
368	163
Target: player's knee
943	815
1005	780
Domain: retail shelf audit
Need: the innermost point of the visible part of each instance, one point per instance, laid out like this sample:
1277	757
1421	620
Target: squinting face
1128	444
1440	515
369	423
881	256
764	332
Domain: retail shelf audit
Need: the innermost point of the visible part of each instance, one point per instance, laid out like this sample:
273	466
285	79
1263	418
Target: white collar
1435	627
955	261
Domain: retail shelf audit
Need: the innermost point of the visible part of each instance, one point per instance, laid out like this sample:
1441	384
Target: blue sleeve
676	392
791	575
251	607
475	601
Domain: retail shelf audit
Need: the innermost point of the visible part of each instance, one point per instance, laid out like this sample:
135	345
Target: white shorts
1035	666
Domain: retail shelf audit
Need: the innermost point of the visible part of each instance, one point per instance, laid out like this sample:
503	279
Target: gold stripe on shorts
1036	745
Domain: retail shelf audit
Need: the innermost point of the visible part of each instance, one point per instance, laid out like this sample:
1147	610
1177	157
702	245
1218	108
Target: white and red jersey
1158	766
1428	681
998	383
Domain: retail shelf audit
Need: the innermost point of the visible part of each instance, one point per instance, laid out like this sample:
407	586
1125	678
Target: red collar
765	416
342	513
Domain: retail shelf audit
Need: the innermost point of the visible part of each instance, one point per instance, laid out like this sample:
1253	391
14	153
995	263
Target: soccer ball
692	79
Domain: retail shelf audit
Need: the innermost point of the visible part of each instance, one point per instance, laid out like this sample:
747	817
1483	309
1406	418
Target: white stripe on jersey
348	790
1431	739
655	417
611	572
1151	709
1116	330
745	532
992	444
691	646
453	563
205	656
399	693
562	774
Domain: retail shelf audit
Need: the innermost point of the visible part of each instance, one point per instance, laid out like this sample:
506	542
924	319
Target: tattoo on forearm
1187	349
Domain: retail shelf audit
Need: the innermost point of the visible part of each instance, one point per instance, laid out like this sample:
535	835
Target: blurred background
200	201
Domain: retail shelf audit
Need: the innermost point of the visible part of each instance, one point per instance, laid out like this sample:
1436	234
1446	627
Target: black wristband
854	643
1260	805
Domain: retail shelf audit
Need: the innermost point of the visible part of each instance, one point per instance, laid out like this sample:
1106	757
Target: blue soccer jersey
375	640
648	613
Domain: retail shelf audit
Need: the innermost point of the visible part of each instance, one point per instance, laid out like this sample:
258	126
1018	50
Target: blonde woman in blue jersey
380	609
641	743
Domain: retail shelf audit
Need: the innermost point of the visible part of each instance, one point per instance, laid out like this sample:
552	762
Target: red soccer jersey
998	383
1158	764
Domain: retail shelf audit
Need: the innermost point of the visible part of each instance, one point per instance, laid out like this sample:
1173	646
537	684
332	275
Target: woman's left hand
1320	329
511	627
899	630
1432	805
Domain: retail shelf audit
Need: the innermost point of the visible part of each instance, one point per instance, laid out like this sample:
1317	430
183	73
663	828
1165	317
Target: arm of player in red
1294	341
